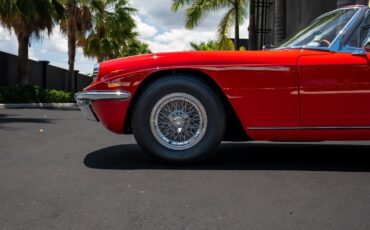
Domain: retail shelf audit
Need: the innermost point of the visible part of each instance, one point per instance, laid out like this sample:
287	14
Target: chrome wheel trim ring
178	121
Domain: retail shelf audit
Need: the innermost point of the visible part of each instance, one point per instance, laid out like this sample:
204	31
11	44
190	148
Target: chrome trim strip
309	128
335	46
85	98
87	110
96	71
102	95
355	50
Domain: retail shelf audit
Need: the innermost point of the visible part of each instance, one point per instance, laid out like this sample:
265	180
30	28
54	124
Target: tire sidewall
179	84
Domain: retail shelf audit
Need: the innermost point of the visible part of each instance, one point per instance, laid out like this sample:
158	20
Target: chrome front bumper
84	100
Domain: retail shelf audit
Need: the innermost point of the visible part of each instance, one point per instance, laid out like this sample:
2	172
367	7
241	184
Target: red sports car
180	106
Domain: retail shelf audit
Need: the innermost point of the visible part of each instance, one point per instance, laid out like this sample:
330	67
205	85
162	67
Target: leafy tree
197	9
77	21
135	47
204	46
113	27
212	45
28	18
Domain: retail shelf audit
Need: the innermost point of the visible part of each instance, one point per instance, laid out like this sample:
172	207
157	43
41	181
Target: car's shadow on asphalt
9	118
246	156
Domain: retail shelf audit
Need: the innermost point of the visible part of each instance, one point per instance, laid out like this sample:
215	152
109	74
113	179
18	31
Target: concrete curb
38	105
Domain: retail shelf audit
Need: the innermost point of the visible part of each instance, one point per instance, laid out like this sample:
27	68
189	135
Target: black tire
169	85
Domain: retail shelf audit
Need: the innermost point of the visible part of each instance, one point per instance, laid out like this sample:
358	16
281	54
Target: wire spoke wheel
178	121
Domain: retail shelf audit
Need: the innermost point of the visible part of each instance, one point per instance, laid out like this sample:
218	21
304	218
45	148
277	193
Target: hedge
33	94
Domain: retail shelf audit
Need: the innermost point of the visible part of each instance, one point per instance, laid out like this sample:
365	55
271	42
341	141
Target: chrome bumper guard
84	100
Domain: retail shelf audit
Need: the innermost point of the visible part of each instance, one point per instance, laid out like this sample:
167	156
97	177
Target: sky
159	27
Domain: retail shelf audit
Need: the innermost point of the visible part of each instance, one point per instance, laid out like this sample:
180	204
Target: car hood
158	61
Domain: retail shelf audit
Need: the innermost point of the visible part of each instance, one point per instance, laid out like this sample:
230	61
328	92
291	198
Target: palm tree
212	45
252	25
134	47
27	18
236	13
204	46
113	28
77	20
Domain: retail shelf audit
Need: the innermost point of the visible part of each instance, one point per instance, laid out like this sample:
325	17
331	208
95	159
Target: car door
335	87
334	90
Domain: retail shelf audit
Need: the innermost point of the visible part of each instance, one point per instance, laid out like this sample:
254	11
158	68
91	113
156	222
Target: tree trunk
71	58
71	34
236	40
23	42
252	26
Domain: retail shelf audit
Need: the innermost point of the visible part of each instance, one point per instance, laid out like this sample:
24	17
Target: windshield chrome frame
349	49
336	44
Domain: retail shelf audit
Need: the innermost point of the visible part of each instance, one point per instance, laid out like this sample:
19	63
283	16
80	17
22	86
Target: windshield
322	32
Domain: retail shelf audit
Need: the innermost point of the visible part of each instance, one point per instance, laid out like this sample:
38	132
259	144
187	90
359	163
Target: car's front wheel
179	119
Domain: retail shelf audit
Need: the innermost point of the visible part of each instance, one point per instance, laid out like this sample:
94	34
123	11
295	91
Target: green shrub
57	96
33	94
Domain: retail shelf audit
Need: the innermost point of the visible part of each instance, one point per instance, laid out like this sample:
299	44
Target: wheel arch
234	128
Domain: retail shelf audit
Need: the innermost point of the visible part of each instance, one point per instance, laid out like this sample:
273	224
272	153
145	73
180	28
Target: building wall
50	77
352	2
299	13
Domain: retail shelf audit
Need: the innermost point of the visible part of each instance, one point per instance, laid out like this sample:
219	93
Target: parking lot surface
60	171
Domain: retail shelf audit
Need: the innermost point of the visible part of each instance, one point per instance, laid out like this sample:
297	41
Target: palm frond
243	10
176	4
225	26
113	28
200	8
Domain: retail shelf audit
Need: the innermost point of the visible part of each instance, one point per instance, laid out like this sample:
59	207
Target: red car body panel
335	90
270	91
111	114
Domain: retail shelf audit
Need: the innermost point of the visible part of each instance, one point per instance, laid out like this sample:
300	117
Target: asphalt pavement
60	171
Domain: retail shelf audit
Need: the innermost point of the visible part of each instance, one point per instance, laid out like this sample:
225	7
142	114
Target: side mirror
364	51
